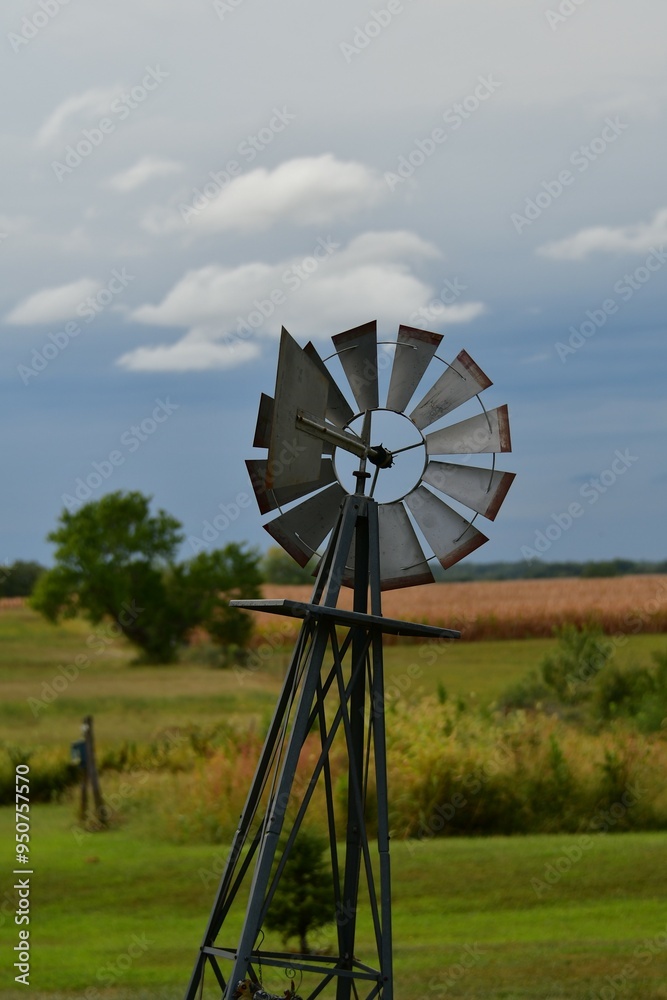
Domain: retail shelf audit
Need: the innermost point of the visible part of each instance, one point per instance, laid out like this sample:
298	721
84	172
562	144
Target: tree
19	579
279	567
114	559
203	587
303	900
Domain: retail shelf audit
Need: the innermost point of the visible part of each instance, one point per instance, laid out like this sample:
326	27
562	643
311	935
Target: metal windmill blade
449	534
460	381
479	489
338	410
271	499
262	437
302	529
294	456
414	350
483	433
357	350
403	562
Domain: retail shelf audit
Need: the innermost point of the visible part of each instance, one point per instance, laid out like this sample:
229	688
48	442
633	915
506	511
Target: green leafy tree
19	579
114	559
203	587
279	567
303	900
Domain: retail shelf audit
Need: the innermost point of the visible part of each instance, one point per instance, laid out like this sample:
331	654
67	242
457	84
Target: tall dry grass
459	773
450	772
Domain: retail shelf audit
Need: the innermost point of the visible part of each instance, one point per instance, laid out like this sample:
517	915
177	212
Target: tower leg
276	817
355	822
377	723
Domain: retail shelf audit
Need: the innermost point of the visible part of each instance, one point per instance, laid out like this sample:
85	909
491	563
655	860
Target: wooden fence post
91	775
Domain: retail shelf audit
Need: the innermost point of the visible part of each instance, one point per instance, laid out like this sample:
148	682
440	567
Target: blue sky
169	165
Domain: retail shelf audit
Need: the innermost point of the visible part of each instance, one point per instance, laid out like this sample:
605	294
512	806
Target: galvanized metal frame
343	669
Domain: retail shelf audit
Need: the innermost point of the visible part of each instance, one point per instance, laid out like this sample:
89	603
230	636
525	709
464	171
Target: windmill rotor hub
381	457
396	455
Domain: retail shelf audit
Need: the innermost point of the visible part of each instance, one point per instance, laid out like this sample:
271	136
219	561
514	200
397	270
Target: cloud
638	238
52	304
535	359
13	225
142	171
437	314
228	311
308	191
192	353
95	101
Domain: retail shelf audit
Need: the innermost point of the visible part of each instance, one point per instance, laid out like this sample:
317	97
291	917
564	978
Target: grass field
452	899
132	703
529	941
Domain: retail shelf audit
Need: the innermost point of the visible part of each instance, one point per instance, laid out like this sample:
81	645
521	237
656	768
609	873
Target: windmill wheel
321	448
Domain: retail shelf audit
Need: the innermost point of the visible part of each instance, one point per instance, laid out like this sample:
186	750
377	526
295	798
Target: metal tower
325	750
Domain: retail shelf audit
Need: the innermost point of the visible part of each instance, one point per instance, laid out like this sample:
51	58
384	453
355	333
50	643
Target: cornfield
508	609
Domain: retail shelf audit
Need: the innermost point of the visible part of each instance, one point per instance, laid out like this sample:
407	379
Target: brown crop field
510	609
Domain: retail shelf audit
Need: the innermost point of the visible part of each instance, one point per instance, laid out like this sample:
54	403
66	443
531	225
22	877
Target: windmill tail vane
327	461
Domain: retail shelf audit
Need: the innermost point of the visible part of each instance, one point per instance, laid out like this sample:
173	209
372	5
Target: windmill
323	472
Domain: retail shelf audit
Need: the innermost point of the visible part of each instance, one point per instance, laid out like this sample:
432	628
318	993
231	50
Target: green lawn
132	703
90	899
452	898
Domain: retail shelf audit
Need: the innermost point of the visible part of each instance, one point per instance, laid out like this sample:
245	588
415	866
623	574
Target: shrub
528	692
622	691
524	773
581	654
639	693
51	773
304	898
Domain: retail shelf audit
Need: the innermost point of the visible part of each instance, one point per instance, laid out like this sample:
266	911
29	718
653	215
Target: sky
182	178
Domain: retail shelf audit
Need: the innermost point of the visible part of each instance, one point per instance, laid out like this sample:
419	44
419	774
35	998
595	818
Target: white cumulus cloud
95	101
227	311
142	171
308	191
52	304
638	238
192	353
437	314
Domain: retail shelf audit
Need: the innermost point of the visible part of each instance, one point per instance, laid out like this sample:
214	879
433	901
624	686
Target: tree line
535	569
275	566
